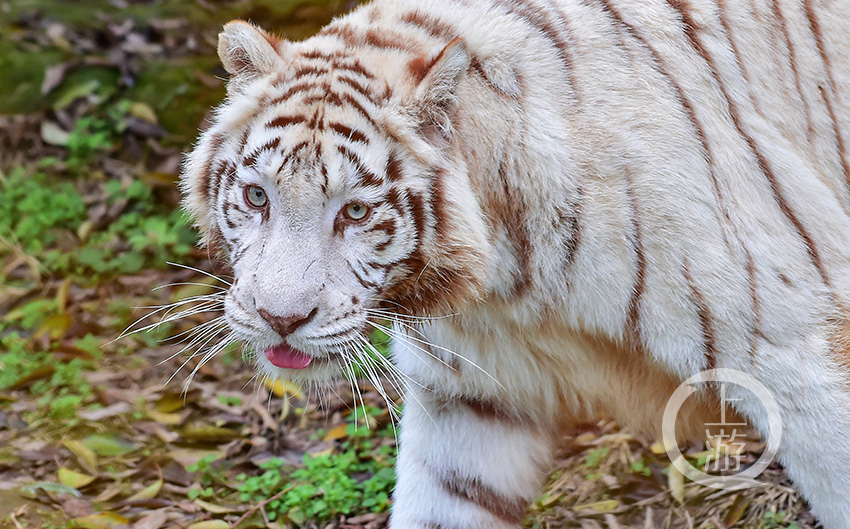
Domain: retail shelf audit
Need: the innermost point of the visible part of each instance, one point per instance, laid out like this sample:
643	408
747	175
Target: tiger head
330	181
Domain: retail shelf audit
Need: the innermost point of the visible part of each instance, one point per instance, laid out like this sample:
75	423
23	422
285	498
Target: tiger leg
814	398
463	465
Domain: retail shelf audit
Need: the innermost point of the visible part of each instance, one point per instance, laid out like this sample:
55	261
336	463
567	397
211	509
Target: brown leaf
207	433
40	373
54	75
154	520
736	511
121	408
76	507
103	520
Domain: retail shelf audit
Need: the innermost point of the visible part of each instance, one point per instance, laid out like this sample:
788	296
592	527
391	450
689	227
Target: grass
47	220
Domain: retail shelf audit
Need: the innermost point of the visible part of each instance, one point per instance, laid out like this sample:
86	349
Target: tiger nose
285	326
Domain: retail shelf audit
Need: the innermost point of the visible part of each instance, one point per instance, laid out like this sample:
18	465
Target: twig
260	505
15	521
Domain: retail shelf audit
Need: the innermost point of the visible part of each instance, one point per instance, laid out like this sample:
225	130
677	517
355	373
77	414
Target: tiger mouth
286	357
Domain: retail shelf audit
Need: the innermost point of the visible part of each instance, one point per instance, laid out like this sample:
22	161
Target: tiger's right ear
247	51
436	94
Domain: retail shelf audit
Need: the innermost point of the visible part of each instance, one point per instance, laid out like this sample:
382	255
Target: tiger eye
356	211
256	197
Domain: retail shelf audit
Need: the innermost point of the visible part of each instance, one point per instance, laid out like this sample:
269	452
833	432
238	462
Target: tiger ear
436	94
247	51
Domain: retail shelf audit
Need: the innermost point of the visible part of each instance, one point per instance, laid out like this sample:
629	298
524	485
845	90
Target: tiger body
586	203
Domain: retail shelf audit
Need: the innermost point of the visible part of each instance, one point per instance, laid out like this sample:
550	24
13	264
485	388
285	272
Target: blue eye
256	197
356	211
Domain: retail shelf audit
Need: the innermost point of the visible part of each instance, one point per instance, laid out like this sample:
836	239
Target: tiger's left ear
436	94
247	51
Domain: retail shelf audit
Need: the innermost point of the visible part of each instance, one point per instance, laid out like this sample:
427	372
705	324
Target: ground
100	430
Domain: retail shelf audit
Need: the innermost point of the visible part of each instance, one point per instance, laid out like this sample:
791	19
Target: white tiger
571	206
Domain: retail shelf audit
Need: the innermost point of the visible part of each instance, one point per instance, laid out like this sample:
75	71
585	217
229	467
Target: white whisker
194	283
187	267
398	334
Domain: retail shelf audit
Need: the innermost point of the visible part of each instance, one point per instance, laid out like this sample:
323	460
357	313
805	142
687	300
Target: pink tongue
288	358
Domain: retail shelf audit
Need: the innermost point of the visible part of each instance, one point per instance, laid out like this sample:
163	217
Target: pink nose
285	326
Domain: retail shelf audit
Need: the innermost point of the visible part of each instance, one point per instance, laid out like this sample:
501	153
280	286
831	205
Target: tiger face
327	193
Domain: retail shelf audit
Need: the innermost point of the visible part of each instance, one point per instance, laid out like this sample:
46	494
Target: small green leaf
109	445
73	479
47	486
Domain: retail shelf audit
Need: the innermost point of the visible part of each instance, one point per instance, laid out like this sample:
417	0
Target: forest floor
99	431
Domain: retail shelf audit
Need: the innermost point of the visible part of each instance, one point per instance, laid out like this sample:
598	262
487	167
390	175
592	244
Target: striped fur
575	205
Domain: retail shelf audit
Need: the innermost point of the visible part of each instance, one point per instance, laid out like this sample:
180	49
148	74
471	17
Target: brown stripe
298	147
203	186
359	88
388	40
354	66
686	105
292	90
437	29
327	97
394	199
792	58
384	40
537	17
227	220
292	154
475	66
522	247
230	244
318	54
388	226
489	410
764	165
393	171
470	488
308	70
572	217
753	285
369	178
285	121
513	220
215	182
739	60
814	25
238	208
323	170
251	159
348	98
704	316
316	122
365	283
417	209
438	204
343	32
633	322
348	132
418	67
